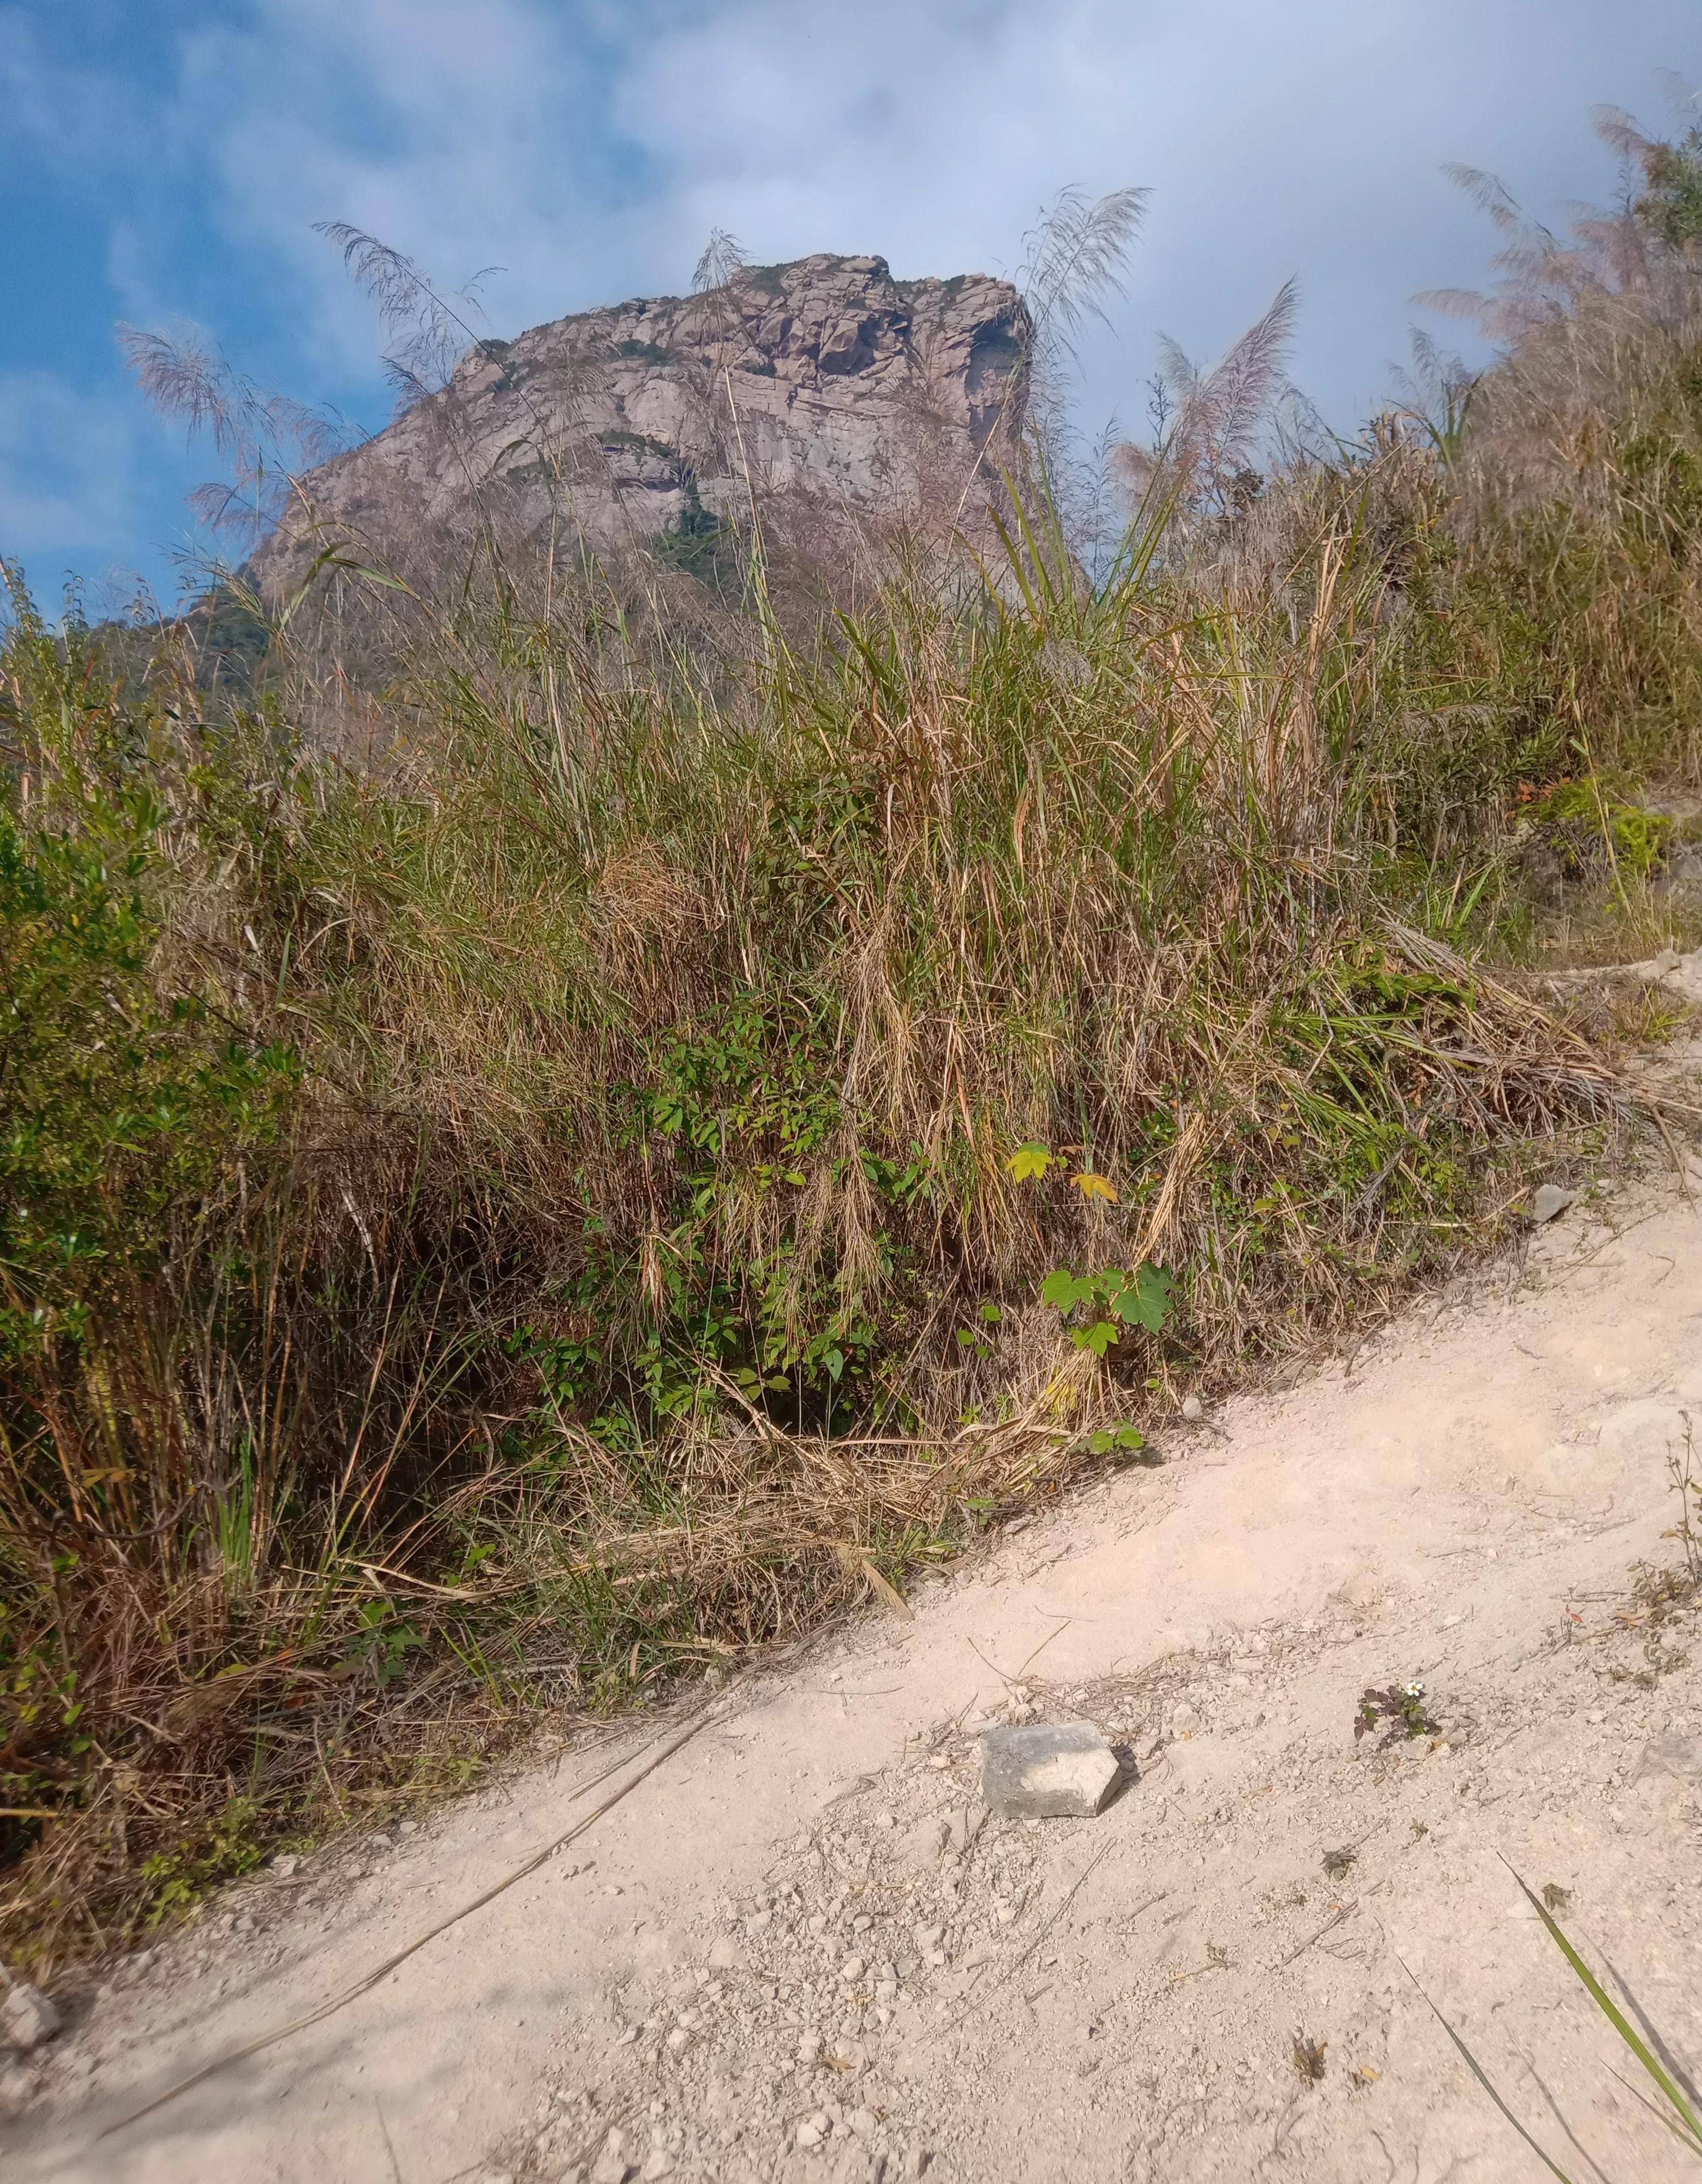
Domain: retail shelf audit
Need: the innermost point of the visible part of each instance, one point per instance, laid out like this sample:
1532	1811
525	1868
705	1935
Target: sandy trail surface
798	1949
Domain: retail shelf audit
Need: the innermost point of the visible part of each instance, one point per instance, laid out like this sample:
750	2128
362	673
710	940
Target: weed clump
1401	1711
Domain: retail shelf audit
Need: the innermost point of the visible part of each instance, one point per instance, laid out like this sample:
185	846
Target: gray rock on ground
1047	1770
1674	1754
27	2018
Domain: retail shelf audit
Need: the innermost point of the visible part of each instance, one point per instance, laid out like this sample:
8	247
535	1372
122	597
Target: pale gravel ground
1464	1505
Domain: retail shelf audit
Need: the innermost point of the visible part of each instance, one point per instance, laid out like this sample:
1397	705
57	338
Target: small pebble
1549	1201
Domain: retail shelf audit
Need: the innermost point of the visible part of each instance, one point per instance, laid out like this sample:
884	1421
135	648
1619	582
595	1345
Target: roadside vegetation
694	1129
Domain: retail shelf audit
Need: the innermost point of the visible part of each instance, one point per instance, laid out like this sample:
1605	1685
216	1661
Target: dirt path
792	1952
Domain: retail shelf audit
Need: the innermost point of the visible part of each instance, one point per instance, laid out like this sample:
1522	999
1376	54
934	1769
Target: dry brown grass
578	1235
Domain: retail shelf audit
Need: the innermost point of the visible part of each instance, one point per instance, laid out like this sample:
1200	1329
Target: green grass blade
1615	2016
1478	2072
1660	2115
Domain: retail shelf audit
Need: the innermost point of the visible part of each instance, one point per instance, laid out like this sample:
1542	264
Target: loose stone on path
1050	1770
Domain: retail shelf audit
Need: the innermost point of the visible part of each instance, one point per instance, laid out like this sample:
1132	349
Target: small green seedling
1398	1709
974	1339
1118	1299
1116	1440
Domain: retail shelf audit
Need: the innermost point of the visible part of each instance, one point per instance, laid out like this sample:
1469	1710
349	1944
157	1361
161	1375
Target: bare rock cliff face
817	390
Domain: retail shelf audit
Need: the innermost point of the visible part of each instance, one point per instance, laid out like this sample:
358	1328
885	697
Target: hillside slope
1464	1502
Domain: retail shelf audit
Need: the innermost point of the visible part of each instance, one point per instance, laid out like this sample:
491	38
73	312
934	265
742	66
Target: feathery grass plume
1212	420
264	440
1075	257
723	256
431	337
427	333
1563	286
1670	206
1435	394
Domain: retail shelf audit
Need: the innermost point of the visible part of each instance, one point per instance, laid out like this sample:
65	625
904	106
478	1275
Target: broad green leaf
1099	1338
1030	1160
1145	1301
1064	1290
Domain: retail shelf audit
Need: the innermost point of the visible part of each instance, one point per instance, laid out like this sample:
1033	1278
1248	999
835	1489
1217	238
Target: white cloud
588	147
67	467
1304	139
454	133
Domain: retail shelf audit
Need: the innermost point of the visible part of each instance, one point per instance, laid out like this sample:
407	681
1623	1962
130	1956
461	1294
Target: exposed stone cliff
822	386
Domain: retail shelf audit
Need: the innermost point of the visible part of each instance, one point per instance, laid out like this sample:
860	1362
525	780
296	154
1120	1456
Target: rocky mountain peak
824	384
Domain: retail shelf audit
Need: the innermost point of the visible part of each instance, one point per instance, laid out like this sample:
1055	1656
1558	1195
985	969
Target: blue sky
164	160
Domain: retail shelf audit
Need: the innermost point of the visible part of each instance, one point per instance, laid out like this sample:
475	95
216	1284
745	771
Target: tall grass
1669	2097
570	1199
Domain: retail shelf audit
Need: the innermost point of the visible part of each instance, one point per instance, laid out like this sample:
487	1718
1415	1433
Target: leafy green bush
123	1110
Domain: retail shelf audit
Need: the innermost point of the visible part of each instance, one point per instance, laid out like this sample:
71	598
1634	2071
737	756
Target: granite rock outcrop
825	389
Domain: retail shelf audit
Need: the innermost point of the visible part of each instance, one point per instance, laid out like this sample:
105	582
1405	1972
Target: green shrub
123	1110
